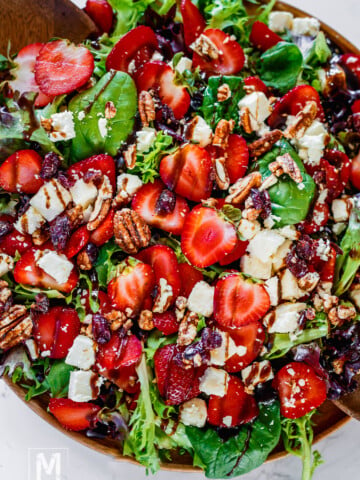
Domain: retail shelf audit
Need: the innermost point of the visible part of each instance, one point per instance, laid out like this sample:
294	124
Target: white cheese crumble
145	139
62	126
306	26
54	264
82	353
194	412
280	21
214	382
201	299
83	386
51	199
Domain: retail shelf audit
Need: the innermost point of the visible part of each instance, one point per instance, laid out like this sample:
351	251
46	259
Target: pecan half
245	120
146	108
180	307
286	164
221	174
206	48
130	156
102	204
164	297
15	326
302	122
241	189
223	93
264	144
222	132
75	215
131	232
83	261
309	281
146	320
187	329
341	314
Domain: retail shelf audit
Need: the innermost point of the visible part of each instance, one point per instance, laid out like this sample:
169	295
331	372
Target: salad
180	230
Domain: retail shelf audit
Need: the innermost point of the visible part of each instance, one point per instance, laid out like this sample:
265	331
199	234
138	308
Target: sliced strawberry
165	265
23	72
159	76
105	230
300	389
238	302
145	203
236	404
136	47
231	56
252	337
78	240
62	67
237	157
262	37
340	170
327	268
194	22
20	173
207	237
101	13
256	85
351	62
129	289
355	107
355	172
75	416
318	219
117	360
104	164
293	102
55	331
15	242
238	251
27	272
188	172
176	382
166	322
190	276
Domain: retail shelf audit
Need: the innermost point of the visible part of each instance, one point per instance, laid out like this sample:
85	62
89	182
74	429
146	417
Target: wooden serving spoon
29	21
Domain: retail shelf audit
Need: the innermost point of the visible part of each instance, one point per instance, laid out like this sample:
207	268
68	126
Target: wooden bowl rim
94	444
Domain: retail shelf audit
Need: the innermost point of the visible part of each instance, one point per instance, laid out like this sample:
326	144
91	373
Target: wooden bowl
329	419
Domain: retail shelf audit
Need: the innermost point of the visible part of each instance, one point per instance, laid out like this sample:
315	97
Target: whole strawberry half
62	67
149	203
159	76
207	237
236	406
188	172
129	289
104	164
238	302
56	330
75	416
262	37
175	381
20	173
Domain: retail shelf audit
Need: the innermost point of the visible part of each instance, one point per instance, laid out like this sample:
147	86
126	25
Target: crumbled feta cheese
81	115
81	353
248	229
51	199
62	126
311	145
6	264
83	386
30	221
32	347
156	57
194	412
259	108
323	249
280	21
340	210
83	193
214	382
54	264
227	421
289	232
290	289
287	317
306	26
184	64
201	132
145	139
102	126
265	244
201	299
272	287
255	268
338	228
128	185
278	260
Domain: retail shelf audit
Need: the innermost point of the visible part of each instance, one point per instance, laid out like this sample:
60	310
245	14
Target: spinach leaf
290	204
4	63
213	110
283	342
57	380
95	133
242	453
348	263
280	66
319	52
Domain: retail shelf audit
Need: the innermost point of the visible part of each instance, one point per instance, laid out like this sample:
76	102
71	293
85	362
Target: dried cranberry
100	329
305	248
60	230
50	166
92	252
41	304
165	203
261	201
5	228
23	204
297	266
64	180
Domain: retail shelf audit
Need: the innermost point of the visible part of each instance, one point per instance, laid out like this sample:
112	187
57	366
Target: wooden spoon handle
29	21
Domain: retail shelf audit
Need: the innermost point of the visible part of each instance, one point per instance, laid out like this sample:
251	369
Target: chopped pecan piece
286	164
206	48
146	108
268	182
309	281
40	236
341	314
241	189
180	307
102	204
130	156
15	326
223	93
221	174
222	132
116	319
76	215
303	121
245	120
164	297
131	232
146	320
83	261
265	143
187	329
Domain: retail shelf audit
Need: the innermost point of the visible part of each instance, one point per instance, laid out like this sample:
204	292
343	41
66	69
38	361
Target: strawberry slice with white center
230	58
238	302
24	76
75	416
188	172
20	173
62	67
160	77
194	22
237	157
147	202
207	237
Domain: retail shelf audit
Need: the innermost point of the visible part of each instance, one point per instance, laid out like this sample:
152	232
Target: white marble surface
21	429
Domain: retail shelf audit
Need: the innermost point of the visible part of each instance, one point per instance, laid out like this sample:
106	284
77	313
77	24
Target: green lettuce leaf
106	265
128	13
319	53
